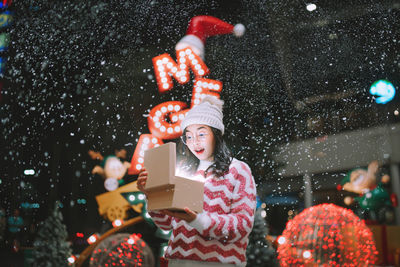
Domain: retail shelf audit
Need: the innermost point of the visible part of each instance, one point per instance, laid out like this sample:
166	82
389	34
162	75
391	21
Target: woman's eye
188	137
202	134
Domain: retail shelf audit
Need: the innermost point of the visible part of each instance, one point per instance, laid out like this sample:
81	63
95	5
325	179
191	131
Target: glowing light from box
384	90
93	238
146	141
165	67
164	119
203	87
182	173
326	235
117	223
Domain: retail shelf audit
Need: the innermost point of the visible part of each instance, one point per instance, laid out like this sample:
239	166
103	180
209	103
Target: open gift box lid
160	163
164	189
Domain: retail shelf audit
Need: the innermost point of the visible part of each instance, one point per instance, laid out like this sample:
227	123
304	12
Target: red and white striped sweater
220	233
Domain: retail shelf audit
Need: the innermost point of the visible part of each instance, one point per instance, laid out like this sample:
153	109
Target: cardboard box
166	190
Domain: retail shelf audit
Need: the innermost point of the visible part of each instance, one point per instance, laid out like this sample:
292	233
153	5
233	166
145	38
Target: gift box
166	190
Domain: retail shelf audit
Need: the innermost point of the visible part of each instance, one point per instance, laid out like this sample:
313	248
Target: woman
219	235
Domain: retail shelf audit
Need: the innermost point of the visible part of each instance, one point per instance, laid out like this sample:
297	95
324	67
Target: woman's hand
142	179
187	216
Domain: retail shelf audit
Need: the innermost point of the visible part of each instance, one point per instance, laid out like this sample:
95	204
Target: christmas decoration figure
326	235
259	250
51	247
113	205
218	235
201	27
111	168
374	202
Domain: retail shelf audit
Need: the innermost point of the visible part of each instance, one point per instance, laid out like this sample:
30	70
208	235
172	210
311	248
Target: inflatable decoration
373	201
111	168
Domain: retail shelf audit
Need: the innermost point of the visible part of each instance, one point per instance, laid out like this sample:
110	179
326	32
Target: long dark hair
188	162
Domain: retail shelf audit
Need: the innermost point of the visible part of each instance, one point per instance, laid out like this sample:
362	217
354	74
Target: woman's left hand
188	215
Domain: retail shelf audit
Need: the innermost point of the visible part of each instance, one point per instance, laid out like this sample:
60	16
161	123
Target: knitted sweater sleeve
238	223
163	221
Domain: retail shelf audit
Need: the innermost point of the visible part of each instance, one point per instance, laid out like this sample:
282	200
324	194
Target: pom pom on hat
208	112
201	27
239	30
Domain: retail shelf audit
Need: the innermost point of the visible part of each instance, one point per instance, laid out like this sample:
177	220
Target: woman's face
201	141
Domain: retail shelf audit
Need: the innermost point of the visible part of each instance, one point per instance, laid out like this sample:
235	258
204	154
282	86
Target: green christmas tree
259	250
51	247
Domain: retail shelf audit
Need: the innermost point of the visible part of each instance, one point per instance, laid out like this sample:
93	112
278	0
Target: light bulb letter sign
165	67
164	123
164	119
146	141
203	87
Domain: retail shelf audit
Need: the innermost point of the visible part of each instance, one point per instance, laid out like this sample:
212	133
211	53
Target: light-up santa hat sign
190	51
201	27
164	119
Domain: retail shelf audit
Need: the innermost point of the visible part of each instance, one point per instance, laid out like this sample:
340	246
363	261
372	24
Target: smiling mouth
199	151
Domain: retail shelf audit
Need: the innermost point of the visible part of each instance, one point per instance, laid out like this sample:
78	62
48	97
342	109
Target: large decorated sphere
326	235
122	249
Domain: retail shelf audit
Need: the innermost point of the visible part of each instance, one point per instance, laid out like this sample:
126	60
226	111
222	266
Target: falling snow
79	76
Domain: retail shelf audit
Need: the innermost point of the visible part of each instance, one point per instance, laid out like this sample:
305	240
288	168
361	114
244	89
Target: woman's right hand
142	179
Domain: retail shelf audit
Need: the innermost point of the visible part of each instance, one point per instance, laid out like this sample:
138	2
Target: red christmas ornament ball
326	235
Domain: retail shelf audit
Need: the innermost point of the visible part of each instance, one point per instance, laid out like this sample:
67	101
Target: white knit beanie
208	112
